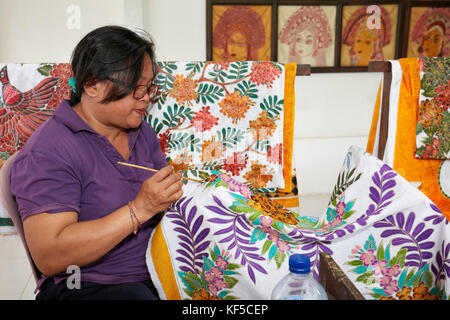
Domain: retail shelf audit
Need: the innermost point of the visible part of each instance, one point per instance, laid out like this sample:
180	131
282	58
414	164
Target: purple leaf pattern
412	238
392	242
236	233
192	239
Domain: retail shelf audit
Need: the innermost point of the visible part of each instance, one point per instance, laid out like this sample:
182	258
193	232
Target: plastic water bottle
299	284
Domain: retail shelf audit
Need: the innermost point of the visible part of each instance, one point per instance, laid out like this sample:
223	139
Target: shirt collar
67	116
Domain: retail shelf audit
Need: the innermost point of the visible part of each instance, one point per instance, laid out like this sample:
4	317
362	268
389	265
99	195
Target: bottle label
293	298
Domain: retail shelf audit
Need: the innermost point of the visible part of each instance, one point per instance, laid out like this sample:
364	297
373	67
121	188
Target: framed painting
369	33
326	35
306	34
428	29
239	31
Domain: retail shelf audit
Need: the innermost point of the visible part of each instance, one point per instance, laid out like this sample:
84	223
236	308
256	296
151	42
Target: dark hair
111	52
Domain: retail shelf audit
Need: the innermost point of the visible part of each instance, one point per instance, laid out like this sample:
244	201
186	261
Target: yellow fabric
288	130
163	266
424	171
290	202
374	125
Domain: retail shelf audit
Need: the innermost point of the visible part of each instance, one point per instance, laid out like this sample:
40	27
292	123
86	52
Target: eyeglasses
140	90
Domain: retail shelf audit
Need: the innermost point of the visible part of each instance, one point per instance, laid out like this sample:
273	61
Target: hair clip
71	83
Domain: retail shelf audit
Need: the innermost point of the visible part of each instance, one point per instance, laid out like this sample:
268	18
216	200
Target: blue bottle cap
299	263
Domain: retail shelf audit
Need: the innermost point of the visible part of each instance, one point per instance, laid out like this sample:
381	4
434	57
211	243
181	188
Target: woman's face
304	44
127	112
237	47
363	45
432	42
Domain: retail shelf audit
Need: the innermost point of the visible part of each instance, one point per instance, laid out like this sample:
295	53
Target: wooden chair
386	68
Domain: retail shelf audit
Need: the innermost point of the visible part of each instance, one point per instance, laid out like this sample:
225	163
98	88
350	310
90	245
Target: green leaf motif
209	93
180	140
191	281
272	106
246	88
230	281
230	136
238	70
266	246
195	67
380	252
279	258
355	263
45	68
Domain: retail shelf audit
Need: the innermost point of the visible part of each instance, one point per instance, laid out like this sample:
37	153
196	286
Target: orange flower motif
429	113
202	294
164	142
443	95
404	294
258	175
204	120
181	162
184	89
212	150
275	154
263	127
387	298
235	163
420	291
264	73
234	106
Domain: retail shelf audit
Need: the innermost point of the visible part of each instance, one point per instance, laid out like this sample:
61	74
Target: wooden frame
386	68
399	35
409	7
335	282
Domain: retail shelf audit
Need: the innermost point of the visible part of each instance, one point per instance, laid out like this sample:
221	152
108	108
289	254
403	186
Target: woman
239	34
431	33
308	33
366	44
78	205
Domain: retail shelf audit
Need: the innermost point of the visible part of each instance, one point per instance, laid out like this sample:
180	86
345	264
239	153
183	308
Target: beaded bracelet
132	214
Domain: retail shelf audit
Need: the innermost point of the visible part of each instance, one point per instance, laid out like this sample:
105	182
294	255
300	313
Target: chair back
10	205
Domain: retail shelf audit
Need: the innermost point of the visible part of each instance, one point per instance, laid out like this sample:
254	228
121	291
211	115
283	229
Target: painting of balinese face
304	43
429	32
241	33
237	46
305	35
364	45
433	41
368	35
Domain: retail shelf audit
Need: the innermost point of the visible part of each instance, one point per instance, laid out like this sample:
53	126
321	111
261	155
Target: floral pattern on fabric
433	125
226	116
29	93
28	96
224	240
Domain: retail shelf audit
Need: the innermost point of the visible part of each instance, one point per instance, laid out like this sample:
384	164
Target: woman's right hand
157	193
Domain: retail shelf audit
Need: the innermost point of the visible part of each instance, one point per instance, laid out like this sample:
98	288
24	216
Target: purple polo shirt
67	166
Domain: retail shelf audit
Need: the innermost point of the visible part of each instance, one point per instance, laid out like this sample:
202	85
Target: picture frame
370	31
334	45
426	22
239	30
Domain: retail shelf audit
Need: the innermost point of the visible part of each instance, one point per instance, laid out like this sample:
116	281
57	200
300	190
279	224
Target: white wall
333	110
36	30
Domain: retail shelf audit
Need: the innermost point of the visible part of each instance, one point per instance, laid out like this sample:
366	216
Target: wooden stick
150	169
